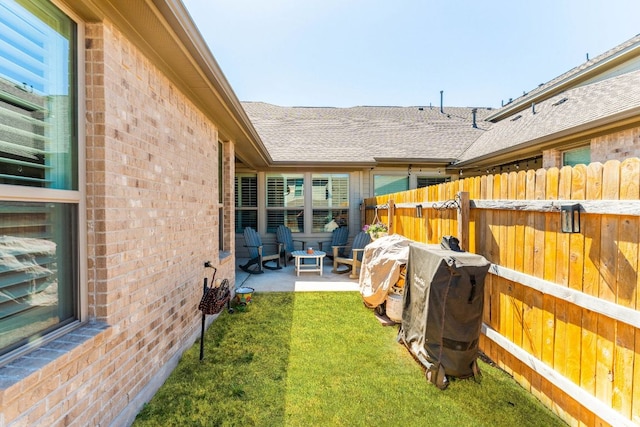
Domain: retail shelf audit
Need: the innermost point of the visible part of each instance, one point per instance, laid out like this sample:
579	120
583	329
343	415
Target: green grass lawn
322	359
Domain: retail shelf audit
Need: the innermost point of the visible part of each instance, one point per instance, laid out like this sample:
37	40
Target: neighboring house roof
567	114
602	93
605	65
365	135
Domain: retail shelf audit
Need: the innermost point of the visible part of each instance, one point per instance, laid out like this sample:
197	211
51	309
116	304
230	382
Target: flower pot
377	235
243	295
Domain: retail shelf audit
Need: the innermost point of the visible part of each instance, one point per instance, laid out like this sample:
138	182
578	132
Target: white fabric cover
381	265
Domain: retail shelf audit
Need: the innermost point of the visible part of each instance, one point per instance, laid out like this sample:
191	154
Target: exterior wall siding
152	221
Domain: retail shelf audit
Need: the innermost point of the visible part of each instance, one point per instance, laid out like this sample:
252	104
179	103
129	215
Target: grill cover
442	310
381	264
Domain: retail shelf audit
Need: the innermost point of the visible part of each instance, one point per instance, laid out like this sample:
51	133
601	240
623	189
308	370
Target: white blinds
35	105
246	201
246	191
285	190
330	190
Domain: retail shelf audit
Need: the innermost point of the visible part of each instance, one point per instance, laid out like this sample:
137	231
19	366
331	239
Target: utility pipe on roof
441	102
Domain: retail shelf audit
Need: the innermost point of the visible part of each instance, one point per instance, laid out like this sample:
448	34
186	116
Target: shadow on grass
241	380
308	359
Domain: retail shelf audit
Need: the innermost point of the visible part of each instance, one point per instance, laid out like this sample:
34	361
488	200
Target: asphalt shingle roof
370	135
598	102
592	63
364	134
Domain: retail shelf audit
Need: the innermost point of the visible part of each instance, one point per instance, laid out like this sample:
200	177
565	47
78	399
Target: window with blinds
426	181
330	201
37	270
246	201
285	201
36	106
38	148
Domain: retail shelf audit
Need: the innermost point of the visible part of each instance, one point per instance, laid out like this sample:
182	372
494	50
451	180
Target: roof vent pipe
475	126
533	107
441	99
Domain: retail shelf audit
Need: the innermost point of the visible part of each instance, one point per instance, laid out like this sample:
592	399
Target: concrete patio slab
285	280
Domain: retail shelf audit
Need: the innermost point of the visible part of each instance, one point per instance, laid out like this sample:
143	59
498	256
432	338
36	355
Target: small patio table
316	256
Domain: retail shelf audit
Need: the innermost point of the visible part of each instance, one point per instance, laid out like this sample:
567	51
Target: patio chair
361	240
339	238
285	238
257	258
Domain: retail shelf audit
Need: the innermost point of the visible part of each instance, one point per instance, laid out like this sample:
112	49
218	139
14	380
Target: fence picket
627	279
574	334
607	286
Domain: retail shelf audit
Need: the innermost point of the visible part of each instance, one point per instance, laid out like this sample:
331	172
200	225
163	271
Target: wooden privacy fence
561	309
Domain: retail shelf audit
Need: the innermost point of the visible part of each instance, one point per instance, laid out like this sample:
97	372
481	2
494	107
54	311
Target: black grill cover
442	309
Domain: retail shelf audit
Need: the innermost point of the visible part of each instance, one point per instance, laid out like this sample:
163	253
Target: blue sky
344	53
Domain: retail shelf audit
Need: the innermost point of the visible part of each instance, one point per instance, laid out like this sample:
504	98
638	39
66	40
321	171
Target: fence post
391	215
463	220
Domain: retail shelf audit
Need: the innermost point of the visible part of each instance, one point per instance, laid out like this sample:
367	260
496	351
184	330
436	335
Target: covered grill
442	310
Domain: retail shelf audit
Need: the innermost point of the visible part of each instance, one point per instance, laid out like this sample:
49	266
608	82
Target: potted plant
376	230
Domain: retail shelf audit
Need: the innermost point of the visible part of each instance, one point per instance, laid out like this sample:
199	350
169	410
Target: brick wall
551	159
152	221
616	146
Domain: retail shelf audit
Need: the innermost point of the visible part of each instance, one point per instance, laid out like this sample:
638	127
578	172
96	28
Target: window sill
23	366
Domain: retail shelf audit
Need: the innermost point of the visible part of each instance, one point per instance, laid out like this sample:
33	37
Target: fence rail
569	301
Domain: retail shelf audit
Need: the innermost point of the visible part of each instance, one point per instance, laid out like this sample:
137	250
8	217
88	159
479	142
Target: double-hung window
246	195
285	201
304	202
39	188
330	201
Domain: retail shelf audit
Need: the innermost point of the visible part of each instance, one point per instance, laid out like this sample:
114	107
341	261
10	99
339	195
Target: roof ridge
589	64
